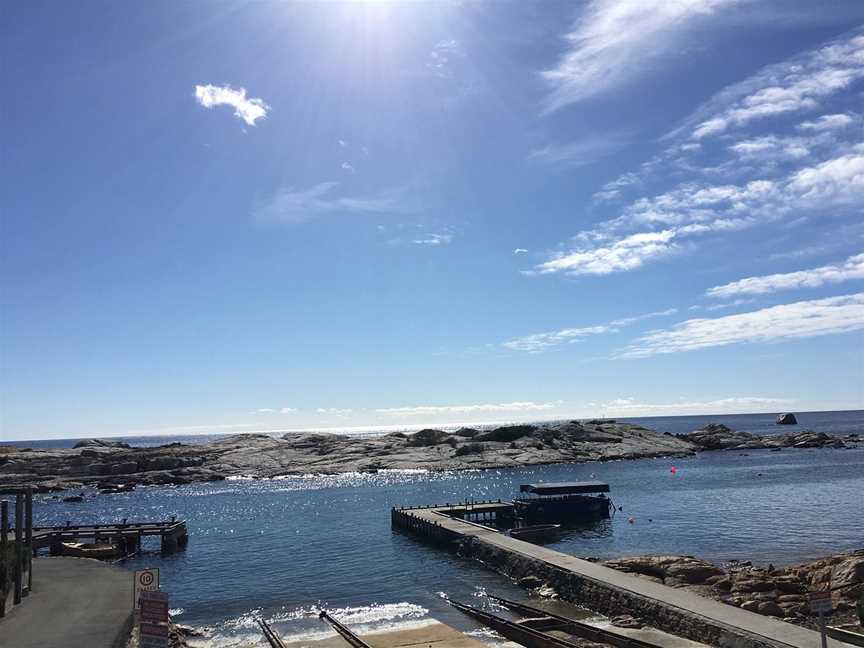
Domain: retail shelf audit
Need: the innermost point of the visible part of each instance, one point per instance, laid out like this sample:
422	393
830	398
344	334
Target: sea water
282	548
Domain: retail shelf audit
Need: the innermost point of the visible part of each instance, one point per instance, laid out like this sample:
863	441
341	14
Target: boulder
787	419
770	608
506	433
427	437
101	443
469	449
467	433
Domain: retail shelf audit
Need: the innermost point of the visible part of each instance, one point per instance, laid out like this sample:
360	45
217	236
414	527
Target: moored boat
537	533
84	550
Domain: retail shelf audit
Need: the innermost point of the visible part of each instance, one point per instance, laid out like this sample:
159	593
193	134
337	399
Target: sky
253	216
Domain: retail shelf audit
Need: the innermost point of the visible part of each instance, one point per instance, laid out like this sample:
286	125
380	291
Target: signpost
153	630
146	580
820	603
152	635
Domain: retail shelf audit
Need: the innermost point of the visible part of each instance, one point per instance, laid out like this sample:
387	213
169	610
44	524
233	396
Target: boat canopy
565	488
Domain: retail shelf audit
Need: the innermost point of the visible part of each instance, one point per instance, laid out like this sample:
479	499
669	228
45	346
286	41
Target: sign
153	606
153	635
820	602
146	580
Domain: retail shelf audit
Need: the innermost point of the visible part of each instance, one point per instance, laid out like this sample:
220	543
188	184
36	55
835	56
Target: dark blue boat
563	503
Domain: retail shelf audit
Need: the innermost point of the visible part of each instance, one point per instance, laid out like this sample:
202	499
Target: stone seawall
610	600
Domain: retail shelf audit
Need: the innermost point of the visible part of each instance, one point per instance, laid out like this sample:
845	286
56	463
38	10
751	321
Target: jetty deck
738	624
172	533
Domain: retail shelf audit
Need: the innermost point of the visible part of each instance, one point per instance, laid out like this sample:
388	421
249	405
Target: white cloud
833	182
541	341
434	240
612	42
427	410
249	109
271	410
698	208
827	122
801	84
333	410
347	166
296	206
802	319
631	407
771	147
852	268
520	251
628	253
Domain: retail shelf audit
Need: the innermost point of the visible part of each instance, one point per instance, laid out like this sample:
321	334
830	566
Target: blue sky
262	216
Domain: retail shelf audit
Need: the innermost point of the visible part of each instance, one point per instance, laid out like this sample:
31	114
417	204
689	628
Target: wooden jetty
173	534
604	589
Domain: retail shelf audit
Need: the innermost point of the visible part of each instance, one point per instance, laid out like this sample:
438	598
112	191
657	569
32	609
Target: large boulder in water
787	419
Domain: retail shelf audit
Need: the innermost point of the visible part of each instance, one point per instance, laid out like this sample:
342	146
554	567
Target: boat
562	502
84	550
537	533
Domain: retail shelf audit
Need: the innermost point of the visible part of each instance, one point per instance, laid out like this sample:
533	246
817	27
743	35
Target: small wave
175	612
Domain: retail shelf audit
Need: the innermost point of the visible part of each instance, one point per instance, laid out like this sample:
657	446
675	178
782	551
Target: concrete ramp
75	603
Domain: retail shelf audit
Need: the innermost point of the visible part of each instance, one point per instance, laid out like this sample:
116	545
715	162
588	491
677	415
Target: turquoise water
279	548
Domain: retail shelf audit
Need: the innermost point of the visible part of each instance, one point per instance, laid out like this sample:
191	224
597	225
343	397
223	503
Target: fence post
4	554
19	521
28	514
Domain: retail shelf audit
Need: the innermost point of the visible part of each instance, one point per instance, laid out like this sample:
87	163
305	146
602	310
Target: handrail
346	634
271	635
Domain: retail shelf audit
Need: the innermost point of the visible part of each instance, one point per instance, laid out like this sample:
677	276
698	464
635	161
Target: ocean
282	548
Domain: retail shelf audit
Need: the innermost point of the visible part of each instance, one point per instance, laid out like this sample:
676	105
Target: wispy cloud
249	109
334	411
273	410
541	341
434	240
578	153
801	84
631	407
627	253
852	268
697	208
441	56
293	206
802	319
827	123
612	42
487	408
520	251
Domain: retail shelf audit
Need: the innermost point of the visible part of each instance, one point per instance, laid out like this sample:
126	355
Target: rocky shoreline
778	592
113	466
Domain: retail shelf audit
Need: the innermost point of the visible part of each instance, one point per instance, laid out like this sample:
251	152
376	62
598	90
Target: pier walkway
435	524
172	532
74	602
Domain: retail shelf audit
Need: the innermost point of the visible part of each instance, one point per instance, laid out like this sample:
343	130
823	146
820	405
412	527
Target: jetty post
4	554
28	521
19	549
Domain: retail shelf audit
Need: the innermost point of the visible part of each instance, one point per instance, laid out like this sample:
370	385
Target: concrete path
431	635
75	603
777	631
